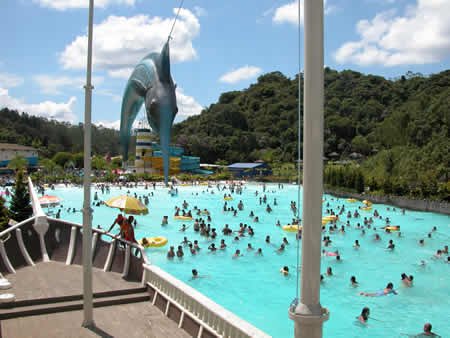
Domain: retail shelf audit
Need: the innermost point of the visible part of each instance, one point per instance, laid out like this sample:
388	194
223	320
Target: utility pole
88	319
309	315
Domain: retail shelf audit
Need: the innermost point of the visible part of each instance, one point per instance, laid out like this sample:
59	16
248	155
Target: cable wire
176	18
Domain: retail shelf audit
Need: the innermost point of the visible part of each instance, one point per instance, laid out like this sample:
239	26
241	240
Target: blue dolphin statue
152	83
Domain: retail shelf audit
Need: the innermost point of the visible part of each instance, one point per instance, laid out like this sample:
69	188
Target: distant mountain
51	136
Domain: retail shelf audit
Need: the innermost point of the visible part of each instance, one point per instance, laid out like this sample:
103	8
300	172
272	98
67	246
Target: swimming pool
252	286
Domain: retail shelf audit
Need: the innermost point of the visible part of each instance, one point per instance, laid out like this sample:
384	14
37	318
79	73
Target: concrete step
71	305
69	298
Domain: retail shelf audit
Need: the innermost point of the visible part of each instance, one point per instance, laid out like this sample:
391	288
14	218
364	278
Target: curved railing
169	292
44	238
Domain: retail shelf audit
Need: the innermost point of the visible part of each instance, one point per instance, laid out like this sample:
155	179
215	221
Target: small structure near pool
250	169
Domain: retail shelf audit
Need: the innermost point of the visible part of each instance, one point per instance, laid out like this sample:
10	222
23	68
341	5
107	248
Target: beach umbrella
127	204
47	200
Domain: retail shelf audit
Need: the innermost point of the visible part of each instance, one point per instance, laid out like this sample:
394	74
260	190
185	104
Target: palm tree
48	166
18	163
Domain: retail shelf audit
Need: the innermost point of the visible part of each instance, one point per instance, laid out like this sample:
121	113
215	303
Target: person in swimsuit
364	316
427	331
386	291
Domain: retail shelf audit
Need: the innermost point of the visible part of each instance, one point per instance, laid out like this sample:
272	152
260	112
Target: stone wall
398	201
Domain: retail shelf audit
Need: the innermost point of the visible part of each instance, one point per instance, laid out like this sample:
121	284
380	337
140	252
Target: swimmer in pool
364	316
386	291
391	245
284	271
281	248
237	254
407	281
195	275
353	281
427	331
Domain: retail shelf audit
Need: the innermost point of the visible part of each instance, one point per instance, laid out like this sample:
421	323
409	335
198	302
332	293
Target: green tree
61	158
99	163
48	166
18	163
20	207
4	214
361	145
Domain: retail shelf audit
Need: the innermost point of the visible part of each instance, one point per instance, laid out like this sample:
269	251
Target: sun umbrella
48	200
127	204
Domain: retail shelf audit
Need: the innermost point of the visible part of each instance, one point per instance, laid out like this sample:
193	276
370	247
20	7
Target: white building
8	151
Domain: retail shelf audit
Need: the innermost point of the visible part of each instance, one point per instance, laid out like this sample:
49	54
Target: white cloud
108	93
200	11
121	42
288	13
240	74
52	84
187	106
123	73
10	80
108	124
62	5
420	36
49	109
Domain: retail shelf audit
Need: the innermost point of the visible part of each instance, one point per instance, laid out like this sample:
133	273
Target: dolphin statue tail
131	104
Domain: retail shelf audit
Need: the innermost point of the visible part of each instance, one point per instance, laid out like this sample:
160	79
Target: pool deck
55	279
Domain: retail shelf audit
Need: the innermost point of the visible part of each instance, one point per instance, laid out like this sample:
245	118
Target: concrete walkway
57	279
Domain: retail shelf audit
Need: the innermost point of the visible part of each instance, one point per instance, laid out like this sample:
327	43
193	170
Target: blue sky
217	46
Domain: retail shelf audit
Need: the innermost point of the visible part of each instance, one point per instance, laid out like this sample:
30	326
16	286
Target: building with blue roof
249	169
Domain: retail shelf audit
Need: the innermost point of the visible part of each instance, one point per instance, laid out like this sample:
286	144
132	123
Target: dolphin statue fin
164	64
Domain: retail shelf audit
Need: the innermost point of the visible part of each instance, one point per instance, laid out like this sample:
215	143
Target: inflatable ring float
183	218
368	208
329	218
352	200
154	242
292	227
228	198
392	227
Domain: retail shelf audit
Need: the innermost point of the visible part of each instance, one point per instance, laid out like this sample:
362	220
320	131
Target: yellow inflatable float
228	198
392	227
183	218
153	242
368	208
292	227
352	200
329	218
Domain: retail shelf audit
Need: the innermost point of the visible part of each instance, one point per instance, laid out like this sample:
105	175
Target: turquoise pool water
252	286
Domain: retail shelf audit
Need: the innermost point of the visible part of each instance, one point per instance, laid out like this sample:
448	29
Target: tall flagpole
309	315
88	319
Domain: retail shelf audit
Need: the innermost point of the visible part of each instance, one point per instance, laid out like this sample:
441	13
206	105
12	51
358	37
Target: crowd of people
220	237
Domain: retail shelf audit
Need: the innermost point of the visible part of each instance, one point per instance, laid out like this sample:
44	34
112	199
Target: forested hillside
50	136
399	129
396	130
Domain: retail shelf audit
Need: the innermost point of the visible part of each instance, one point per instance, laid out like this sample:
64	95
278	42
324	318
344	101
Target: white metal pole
309	314
88	319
